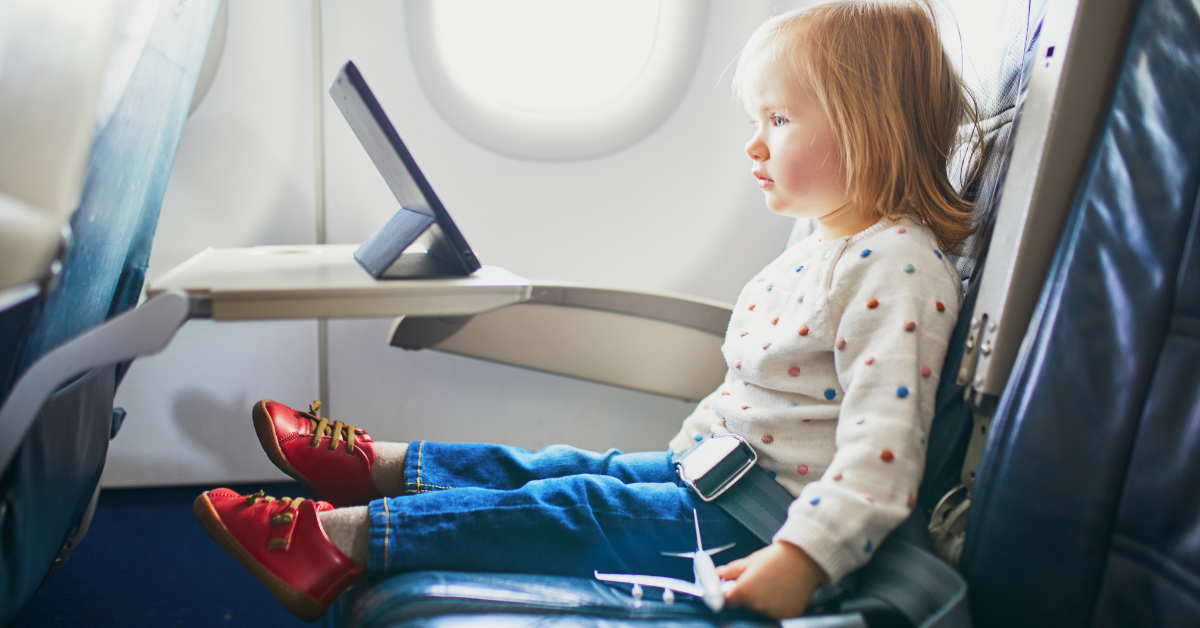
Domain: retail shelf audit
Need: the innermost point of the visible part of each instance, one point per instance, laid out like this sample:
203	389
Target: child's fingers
732	570
735	597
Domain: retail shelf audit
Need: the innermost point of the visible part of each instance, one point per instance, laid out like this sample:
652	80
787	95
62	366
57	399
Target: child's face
797	162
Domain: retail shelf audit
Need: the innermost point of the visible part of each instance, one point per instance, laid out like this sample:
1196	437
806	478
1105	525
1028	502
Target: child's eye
778	120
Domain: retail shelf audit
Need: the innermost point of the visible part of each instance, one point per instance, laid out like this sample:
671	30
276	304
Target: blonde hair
892	97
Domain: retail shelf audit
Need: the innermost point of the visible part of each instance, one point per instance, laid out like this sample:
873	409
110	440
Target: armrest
663	344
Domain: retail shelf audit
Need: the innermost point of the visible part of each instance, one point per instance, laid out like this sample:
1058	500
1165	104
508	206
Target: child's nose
756	149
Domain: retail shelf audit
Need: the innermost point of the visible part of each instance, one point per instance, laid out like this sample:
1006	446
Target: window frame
543	136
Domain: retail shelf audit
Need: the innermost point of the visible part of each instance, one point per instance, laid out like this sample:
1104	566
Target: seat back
143	104
993	44
1086	507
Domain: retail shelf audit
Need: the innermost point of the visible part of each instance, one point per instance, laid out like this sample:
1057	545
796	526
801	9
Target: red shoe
331	459
280	541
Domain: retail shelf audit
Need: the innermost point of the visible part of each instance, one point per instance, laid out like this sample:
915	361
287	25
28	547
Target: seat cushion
446	598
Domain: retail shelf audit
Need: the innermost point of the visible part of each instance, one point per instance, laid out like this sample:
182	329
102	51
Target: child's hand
776	581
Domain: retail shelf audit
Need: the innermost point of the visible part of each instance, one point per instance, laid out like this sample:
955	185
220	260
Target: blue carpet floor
147	562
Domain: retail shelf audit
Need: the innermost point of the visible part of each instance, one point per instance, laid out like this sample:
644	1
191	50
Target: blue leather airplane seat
46	489
468	599
1087	508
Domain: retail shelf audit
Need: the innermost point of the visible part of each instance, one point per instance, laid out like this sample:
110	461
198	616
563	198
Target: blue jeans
561	510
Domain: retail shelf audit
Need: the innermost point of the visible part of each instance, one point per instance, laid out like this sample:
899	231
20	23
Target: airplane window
502	51
553	80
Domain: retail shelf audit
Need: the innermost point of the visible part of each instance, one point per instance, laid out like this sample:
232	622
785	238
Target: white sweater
835	349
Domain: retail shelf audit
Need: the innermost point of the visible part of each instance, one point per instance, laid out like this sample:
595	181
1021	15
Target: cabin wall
676	211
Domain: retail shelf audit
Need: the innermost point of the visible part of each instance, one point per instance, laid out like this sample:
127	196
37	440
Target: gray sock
348	529
387	471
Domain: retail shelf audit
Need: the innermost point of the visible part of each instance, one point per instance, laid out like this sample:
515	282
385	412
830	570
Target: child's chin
786	211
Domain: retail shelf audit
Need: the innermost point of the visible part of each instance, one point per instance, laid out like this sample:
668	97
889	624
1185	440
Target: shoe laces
336	430
279	539
290	504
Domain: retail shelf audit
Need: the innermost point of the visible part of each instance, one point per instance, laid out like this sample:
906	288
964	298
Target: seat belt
755	499
911	579
757	502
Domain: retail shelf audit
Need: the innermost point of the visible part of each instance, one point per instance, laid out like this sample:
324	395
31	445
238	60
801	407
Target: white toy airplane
708	585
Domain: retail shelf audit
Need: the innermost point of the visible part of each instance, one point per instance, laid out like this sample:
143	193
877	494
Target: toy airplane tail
699	544
693	554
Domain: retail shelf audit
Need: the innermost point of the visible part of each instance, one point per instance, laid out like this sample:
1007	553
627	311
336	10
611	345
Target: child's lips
763	182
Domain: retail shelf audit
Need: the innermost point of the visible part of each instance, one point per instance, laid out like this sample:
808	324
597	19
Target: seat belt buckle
715	464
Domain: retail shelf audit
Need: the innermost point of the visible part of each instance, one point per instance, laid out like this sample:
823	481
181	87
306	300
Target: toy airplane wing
661	582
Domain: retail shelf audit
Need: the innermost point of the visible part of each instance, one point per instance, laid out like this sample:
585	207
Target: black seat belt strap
758	502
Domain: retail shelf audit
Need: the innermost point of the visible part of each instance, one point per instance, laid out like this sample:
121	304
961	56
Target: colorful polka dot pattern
884	310
872	303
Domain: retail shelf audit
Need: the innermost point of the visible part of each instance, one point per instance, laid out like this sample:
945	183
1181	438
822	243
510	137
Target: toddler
834	353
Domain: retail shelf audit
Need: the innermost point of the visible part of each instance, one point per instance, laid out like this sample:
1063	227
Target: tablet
420	240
